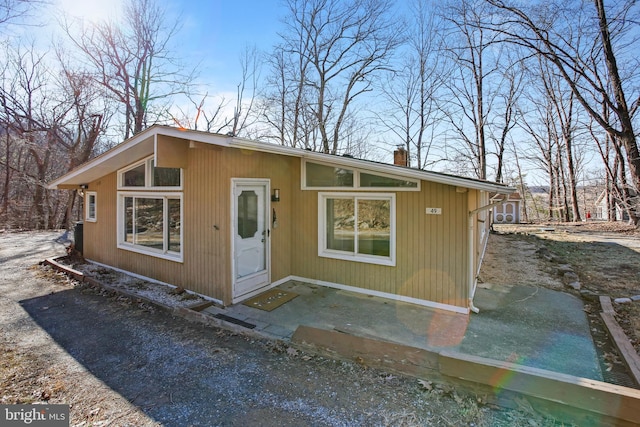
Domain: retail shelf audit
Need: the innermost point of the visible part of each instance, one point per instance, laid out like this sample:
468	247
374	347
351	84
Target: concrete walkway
526	325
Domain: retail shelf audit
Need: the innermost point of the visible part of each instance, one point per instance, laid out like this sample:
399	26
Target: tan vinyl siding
207	222
431	250
100	237
481	223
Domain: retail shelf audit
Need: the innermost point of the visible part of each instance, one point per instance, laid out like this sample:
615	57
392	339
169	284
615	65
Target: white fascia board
194	135
138	146
134	148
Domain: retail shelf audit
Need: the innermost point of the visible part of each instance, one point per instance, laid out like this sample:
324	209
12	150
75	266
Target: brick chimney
400	156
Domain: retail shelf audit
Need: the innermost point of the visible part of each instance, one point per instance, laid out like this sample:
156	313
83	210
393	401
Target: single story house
229	218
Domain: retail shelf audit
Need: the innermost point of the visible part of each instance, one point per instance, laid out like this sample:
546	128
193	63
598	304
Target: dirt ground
121	362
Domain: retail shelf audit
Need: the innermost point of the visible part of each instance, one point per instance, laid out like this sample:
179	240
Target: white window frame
323	251
164	253
148	177
87	205
356	179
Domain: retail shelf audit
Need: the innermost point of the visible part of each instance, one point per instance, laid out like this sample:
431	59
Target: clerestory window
144	174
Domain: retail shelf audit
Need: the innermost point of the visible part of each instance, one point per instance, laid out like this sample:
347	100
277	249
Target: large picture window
151	224
357	227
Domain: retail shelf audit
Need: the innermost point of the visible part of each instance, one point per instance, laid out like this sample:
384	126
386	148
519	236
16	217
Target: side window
91	206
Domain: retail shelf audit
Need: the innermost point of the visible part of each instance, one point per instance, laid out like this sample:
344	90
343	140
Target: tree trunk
573	185
626	133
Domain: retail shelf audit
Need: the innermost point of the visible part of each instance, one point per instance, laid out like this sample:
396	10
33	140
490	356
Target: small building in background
509	211
621	214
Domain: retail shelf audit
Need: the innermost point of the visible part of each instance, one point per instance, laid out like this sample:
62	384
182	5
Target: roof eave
143	144
138	146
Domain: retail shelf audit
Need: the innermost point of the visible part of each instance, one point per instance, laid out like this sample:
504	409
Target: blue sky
217	33
213	33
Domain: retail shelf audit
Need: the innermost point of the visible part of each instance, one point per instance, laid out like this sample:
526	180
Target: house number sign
434	211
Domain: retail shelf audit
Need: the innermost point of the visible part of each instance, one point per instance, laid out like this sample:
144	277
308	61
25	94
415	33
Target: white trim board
410	300
385	295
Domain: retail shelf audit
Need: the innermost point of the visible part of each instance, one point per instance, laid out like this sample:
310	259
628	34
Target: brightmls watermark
34	415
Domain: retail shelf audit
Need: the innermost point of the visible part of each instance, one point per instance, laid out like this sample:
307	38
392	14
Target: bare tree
50	124
611	152
542	132
243	115
562	103
86	122
276	99
25	115
338	48
590	65
474	50
520	183
132	61
512	82
286	107
14	10
217	118
411	92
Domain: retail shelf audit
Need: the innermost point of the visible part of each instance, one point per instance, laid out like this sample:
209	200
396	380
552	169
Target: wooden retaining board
609	404
622	343
368	351
560	395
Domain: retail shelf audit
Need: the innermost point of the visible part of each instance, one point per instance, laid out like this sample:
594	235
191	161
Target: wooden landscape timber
562	396
620	340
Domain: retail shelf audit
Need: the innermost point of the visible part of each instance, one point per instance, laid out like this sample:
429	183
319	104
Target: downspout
472	279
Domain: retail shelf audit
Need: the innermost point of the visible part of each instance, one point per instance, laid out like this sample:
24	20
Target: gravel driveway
118	362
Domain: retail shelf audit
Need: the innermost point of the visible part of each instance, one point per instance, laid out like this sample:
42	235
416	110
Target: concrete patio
526	325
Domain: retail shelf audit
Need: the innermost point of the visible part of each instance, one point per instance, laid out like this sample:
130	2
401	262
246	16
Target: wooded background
543	94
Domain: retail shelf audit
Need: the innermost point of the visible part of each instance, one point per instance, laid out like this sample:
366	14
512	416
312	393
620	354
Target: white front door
250	235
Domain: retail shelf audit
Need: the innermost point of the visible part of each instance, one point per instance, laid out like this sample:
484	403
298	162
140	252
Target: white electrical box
434	211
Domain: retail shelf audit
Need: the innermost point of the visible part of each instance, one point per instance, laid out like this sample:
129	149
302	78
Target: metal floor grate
234	321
